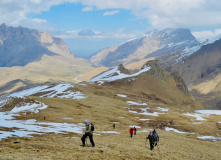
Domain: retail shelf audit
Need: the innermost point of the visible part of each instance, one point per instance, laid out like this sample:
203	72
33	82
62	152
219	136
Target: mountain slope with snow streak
59	90
115	74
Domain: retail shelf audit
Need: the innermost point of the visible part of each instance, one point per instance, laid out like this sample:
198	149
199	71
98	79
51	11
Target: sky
88	26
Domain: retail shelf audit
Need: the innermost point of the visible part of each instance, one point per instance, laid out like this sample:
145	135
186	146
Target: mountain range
177	51
153	44
29	56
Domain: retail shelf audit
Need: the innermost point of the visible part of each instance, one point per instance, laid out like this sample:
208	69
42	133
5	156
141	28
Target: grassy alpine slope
103	107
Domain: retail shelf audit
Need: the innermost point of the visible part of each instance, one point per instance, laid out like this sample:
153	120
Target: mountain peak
3	25
20	46
153	44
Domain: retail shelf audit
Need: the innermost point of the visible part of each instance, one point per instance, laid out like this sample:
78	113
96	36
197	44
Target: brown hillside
103	107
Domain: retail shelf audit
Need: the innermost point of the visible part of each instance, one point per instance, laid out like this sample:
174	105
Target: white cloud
87	9
207	34
36	1
118	34
37	20
111	13
168	13
159	13
14	12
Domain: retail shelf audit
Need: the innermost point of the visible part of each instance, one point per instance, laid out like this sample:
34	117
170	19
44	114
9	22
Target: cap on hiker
151	132
86	121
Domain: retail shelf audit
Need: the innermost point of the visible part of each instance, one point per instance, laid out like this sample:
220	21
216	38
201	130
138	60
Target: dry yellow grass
211	86
92	73
103	108
138	65
49	68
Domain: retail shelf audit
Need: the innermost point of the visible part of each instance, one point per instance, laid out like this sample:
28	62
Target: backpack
92	127
156	136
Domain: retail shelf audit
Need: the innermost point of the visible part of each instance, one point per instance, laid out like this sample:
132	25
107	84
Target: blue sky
90	25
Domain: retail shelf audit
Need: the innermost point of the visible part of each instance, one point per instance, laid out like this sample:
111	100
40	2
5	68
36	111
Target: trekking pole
158	147
146	143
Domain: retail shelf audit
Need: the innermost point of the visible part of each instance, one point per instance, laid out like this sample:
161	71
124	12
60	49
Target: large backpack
156	136
92	127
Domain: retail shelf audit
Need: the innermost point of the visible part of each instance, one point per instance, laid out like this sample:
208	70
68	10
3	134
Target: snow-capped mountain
153	44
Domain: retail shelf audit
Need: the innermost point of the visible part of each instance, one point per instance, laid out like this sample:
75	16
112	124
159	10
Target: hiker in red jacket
131	132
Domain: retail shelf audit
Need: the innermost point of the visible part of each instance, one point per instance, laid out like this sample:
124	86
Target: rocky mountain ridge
20	46
29	56
154	44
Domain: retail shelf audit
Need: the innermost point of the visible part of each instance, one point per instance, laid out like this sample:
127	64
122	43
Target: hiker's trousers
90	137
151	146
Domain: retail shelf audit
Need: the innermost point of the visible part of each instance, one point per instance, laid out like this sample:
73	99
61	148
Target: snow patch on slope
114	74
60	91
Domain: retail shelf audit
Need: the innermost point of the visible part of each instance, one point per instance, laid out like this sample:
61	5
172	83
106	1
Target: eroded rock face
180	82
218	105
156	70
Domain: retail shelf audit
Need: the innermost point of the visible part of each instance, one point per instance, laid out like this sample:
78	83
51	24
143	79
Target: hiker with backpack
135	130
156	137
131	132
88	132
152	140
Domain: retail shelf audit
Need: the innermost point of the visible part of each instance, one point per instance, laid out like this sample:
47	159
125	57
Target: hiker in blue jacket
156	137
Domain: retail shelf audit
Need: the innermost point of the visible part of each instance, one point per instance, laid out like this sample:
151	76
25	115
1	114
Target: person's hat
86	121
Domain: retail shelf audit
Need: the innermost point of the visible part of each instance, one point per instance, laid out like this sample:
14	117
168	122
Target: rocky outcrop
155	70
218	105
122	69
180	82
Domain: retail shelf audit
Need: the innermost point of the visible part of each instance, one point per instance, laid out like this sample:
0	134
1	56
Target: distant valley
30	56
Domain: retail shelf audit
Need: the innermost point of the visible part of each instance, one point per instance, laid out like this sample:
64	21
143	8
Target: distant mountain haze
20	46
30	56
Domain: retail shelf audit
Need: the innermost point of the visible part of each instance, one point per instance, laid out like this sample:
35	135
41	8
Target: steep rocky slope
201	70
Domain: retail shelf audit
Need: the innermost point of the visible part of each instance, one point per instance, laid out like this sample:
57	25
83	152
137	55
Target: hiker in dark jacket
152	139
131	132
135	130
114	125
156	137
87	132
